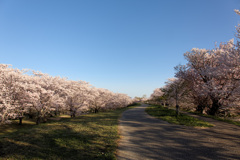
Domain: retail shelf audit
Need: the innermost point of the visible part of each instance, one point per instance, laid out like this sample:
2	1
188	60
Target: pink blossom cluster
210	81
35	94
156	93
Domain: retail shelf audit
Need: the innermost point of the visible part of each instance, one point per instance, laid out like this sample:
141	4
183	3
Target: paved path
144	137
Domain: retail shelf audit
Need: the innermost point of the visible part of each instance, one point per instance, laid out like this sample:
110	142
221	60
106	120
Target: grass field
92	136
169	115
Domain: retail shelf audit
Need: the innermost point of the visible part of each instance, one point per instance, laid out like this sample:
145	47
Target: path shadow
150	138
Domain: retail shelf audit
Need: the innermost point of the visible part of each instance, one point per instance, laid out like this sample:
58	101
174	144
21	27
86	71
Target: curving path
144	137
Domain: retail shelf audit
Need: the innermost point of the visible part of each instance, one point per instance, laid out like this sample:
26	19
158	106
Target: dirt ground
144	137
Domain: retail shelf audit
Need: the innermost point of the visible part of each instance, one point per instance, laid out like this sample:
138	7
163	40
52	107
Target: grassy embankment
169	115
91	136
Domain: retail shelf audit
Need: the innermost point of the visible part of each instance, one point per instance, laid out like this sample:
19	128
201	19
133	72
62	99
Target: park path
146	138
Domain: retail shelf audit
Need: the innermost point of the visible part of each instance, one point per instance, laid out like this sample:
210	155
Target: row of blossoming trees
37	95
209	82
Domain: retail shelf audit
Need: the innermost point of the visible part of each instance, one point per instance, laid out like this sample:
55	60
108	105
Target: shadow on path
145	137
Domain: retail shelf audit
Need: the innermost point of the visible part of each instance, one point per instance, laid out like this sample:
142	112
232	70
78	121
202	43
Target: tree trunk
215	107
177	110
96	110
200	109
73	114
20	120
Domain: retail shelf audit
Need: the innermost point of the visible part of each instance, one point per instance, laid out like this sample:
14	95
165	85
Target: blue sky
126	46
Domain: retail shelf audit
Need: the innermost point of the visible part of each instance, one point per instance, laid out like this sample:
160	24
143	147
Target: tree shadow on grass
59	142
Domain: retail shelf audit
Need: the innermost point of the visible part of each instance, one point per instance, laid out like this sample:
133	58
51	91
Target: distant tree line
27	93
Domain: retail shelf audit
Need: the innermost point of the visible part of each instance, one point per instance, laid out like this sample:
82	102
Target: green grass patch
169	115
218	118
14	126
224	120
91	136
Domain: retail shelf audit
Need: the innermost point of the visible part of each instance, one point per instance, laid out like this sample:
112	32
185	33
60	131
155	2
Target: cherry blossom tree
14	98
175	88
39	95
215	74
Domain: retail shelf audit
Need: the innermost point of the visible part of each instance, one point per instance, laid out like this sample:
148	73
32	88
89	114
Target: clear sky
126	46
